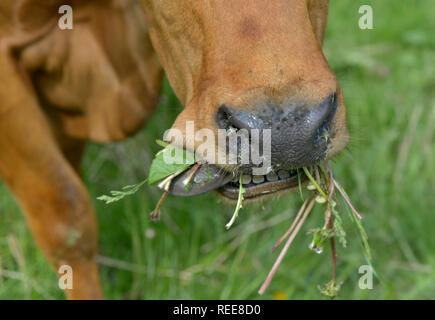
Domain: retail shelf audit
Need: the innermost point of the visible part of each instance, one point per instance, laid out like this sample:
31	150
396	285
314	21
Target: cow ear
32	15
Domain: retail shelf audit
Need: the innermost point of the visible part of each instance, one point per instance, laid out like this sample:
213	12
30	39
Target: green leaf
320	235
160	169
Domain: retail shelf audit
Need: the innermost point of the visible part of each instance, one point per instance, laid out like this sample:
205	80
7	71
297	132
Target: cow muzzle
300	136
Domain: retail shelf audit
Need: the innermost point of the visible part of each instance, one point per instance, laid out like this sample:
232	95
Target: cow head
252	64
235	65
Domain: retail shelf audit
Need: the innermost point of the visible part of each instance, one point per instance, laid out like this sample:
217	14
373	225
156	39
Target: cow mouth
257	187
204	178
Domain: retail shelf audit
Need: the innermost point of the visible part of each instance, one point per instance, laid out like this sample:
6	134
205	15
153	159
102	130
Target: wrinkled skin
101	81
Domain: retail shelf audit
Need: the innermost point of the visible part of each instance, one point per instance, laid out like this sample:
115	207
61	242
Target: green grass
388	78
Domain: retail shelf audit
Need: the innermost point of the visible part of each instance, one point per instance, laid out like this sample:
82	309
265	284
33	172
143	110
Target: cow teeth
271	176
258	179
246	179
283	174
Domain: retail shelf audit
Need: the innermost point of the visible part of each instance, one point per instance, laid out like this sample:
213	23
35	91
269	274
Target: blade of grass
313	181
300	184
239	204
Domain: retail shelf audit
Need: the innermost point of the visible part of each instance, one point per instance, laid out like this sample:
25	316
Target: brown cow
229	63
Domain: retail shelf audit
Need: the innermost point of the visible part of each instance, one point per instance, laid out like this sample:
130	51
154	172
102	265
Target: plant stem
330	222
284	250
189	178
317	174
155	214
162	143
300	184
346	198
295	221
328	212
334	259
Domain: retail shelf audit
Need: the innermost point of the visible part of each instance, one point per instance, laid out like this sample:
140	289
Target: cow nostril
299	136
223	118
228	117
322	116
317	115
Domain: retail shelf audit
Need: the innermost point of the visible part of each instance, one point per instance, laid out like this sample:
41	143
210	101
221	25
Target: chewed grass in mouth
195	177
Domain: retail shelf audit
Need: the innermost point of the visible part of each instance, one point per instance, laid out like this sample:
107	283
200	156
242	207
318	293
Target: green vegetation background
388	78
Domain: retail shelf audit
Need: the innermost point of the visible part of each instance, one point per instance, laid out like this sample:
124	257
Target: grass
388	78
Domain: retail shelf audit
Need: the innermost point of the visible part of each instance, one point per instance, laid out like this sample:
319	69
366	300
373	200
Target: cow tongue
205	178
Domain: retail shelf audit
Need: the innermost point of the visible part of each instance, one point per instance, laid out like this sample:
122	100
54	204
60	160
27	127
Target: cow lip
264	189
195	181
208	177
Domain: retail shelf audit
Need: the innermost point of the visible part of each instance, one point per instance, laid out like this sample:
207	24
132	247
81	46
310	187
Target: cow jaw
196	181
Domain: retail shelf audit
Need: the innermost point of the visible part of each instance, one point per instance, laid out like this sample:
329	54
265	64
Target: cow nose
299	135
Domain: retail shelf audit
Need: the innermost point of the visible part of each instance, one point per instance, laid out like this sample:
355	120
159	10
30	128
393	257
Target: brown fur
101	80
